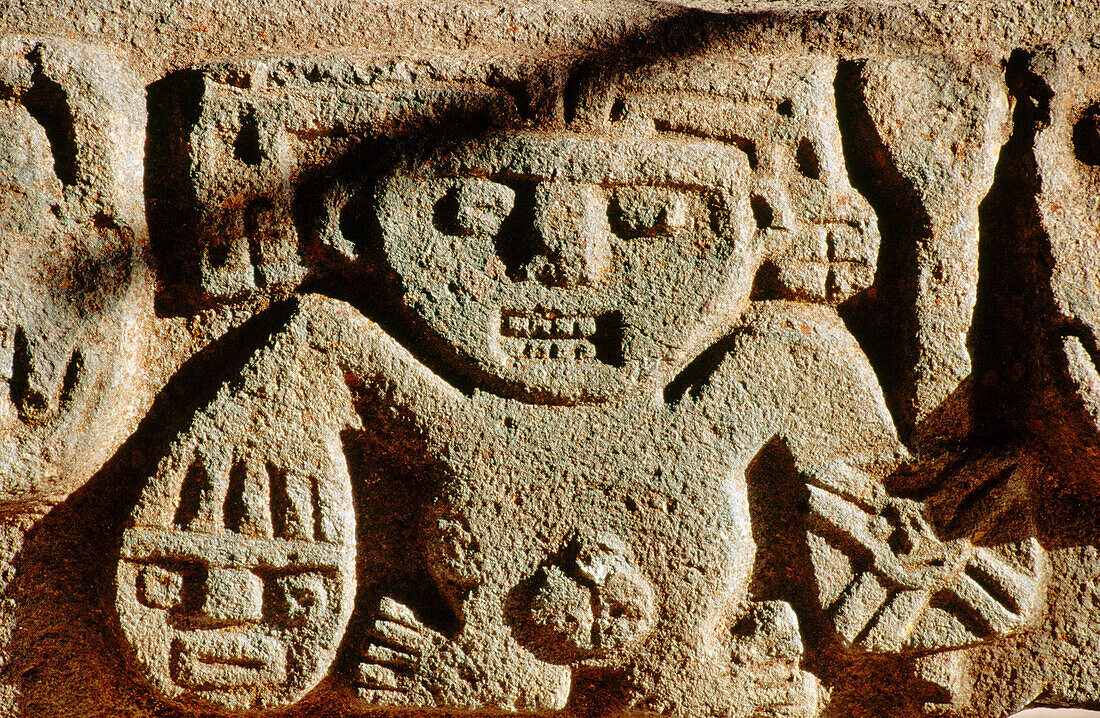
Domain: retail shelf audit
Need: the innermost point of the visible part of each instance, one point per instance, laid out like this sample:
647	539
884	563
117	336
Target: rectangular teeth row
564	350
522	326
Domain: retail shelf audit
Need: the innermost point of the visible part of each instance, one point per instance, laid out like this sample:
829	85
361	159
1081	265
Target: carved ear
821	264
819	236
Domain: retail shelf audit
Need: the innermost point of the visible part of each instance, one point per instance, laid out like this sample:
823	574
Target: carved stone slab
704	360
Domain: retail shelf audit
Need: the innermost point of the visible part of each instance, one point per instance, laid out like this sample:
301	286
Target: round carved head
237	578
594	608
563	267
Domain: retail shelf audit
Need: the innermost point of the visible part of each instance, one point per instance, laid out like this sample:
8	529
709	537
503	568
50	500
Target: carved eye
453	550
160	587
476	207
455	536
297	596
649	211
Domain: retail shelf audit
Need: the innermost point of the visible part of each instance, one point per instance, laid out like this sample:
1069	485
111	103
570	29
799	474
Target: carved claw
901	544
897	601
394	666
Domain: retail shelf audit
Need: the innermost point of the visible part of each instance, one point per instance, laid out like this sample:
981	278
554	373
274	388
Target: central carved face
567	268
236	579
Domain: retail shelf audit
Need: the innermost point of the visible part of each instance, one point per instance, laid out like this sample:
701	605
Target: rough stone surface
703	359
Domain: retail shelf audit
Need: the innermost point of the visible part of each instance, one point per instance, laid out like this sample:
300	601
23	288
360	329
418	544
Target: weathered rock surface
584	358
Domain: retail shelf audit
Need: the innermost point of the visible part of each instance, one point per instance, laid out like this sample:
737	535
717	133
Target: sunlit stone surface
707	360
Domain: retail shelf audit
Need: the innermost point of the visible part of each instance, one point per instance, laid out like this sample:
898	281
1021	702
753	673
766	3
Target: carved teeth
563	350
540	326
549	337
584	351
210	659
515	325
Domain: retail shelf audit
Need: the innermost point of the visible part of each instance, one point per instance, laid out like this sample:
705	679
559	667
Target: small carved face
452	551
230	623
596	609
567	268
238	600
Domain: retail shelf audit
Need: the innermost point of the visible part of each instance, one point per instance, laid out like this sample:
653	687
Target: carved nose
570	224
231	596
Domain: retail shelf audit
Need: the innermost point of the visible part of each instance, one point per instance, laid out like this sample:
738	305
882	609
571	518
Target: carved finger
391	610
377	677
399	636
385	656
382	697
787	693
374	696
395	697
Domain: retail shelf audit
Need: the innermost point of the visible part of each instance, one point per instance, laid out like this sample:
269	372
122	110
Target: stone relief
1067	157
75	276
236	575
722	383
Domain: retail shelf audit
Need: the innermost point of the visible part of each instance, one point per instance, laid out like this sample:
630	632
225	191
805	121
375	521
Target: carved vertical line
321	531
291	498
197	501
248	500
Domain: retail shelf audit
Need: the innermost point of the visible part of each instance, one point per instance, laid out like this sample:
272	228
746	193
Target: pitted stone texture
659	560
595	605
1069	172
264	128
933	129
820	236
586	358
236	575
922	593
560	305
76	295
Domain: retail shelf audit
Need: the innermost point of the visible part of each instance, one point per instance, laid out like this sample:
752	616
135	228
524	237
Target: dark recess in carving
1086	136
246	147
47	103
881	318
1011	269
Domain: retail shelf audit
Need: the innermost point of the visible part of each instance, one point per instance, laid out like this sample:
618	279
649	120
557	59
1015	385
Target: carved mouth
566	338
209	660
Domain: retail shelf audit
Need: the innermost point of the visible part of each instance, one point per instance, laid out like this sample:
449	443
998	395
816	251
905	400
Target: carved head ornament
572	265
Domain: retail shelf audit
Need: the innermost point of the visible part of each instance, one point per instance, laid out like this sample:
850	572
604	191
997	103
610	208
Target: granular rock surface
702	360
